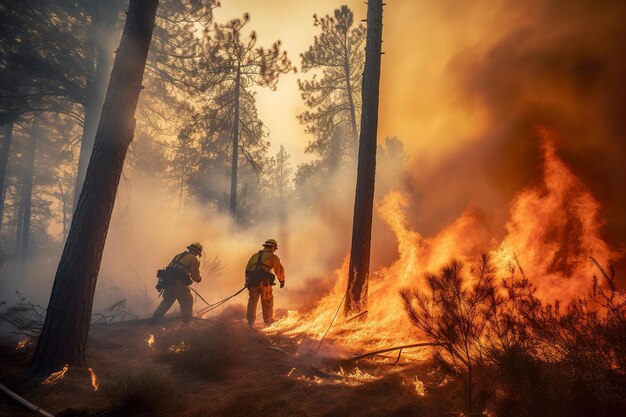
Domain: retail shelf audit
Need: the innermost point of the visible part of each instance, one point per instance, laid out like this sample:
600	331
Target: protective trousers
267	304
175	291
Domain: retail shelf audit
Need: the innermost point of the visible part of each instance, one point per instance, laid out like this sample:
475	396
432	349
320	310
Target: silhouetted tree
334	98
356	298
5	151
240	65
23	232
98	61
65	329
456	317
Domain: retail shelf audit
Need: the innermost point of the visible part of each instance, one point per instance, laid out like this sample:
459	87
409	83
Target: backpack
170	273
258	275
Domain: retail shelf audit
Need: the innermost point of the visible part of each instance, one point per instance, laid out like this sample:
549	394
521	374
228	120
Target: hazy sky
291	22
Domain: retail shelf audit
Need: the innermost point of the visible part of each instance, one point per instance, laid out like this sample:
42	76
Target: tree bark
64	334
7	138
356	299
102	23
235	163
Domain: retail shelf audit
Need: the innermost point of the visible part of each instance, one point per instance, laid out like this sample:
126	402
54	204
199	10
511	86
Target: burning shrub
587	344
150	389
520	357
455	316
210	352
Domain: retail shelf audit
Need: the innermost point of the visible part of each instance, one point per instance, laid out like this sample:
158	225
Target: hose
22	401
213	306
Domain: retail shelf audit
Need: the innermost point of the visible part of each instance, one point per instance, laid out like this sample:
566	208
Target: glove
282	284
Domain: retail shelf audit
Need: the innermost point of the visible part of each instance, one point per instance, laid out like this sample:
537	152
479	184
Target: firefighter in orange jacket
262	287
180	273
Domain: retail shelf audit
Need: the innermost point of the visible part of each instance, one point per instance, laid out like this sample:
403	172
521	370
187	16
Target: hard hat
196	247
272	243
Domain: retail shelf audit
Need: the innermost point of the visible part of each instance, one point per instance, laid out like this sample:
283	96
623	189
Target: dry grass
210	352
149	389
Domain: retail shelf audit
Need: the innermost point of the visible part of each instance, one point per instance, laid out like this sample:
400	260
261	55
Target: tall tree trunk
18	230
64	334
102	24
235	163
7	138
356	297
27	195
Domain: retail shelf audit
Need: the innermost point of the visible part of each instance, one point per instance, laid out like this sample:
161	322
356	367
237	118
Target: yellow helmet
196	247
271	243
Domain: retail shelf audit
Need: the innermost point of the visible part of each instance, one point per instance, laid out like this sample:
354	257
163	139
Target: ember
150	340
25	343
56	376
181	347
95	382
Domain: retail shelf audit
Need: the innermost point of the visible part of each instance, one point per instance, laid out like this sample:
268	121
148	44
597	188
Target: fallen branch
22	401
357	316
377	352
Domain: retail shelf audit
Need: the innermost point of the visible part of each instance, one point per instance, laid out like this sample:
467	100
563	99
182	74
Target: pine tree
240	65
356	298
334	98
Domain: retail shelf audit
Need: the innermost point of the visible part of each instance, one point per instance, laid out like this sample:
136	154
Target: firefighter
175	281
260	280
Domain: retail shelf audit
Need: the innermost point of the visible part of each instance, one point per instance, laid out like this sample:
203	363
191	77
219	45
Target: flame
24	343
420	388
554	227
181	347
150	340
95	382
56	376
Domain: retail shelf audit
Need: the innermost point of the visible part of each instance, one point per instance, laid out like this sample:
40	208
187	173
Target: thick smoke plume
506	69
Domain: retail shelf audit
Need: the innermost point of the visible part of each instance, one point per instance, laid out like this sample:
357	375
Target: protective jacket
269	262
189	263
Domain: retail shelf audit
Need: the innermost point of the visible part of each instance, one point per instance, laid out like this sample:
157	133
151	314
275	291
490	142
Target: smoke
491	72
463	86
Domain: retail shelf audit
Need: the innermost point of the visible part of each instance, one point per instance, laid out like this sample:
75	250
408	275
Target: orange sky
419	41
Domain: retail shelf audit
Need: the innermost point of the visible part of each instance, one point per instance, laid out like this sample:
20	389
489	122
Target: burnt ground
252	379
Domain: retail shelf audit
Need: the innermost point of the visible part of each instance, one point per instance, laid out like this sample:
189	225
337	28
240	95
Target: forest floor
242	375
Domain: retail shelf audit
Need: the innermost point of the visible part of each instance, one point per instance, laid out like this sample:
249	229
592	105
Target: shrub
518	356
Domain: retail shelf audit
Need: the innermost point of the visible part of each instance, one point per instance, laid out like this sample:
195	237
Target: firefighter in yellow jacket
175	280
259	281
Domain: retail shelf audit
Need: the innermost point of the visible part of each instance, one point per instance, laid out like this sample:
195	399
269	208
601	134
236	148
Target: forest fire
553	230
56	376
95	382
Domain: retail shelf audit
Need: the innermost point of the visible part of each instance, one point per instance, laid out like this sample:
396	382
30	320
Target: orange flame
24	343
180	347
95	382
150	340
554	227
56	376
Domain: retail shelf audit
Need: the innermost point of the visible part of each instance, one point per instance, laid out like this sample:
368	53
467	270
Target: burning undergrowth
554	228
